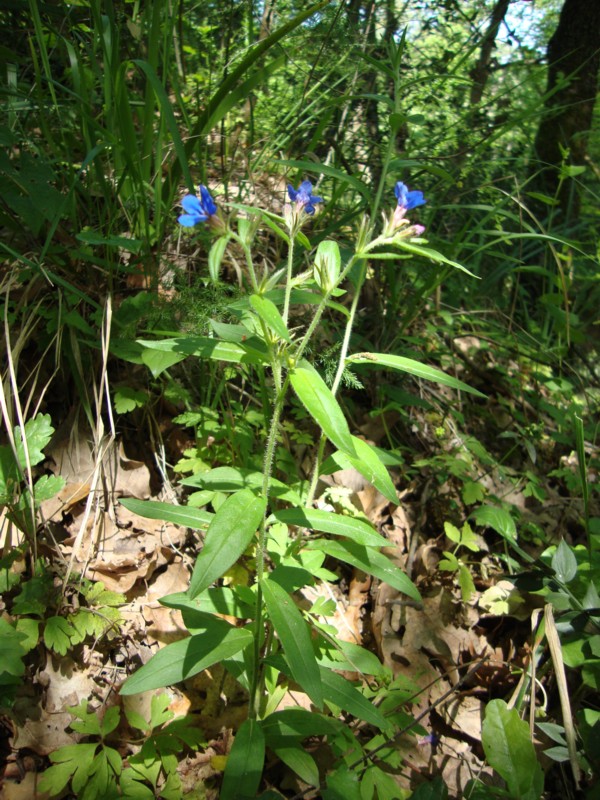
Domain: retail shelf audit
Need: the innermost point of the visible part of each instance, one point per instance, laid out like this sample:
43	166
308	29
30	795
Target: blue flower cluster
303	196
406	199
198	209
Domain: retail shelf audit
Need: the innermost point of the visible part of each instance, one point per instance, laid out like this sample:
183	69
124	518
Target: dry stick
563	691
368	756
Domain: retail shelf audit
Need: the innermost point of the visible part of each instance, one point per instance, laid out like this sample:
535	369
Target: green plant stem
248	255
256	680
288	284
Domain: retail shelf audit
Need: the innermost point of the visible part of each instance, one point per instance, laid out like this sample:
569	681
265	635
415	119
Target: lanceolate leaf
328	522
342	693
370	467
229	534
244	763
509	750
321	404
205	347
413	367
185	658
370	561
194	518
269	313
294	634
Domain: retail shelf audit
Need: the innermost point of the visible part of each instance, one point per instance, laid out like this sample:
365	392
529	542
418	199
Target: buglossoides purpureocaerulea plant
275	642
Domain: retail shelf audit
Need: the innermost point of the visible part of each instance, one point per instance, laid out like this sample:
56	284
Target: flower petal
208	204
188	221
193	206
414	199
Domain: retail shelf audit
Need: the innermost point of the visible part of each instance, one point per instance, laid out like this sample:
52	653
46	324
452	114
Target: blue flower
303	197
406	199
198	209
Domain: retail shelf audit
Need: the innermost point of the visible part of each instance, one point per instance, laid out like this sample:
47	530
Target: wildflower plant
275	643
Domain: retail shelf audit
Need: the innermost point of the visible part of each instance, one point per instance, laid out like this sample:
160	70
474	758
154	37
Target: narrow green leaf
194	518
244	763
509	750
205	347
328	522
370	466
345	695
229	534
370	561
217	600
297	723
413	368
215	256
188	657
294	634
168	115
316	397
269	313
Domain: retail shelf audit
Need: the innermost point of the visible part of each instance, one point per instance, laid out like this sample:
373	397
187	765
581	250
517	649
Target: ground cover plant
298	471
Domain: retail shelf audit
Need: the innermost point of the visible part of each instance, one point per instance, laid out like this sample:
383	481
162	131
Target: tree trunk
573	63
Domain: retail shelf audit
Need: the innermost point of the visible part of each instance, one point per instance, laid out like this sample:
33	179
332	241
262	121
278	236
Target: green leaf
244	763
127	399
329	522
472	493
193	518
300	762
342	784
47	487
376	780
217	600
564	562
328	261
158	361
431	255
72	760
316	397
370	561
509	750
294	634
498	519
57	635
452	532
297	723
12	649
345	695
122	242
215	256
412	367
110	720
229	534
38	432
10	476
370	466
432	790
230	479
465	580
269	313
205	347
188	657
